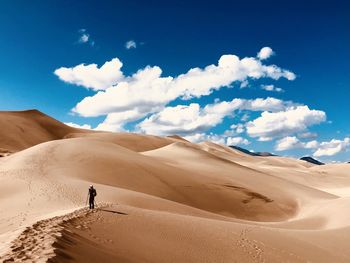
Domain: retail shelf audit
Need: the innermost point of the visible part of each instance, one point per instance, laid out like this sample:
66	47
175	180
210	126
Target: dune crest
23	129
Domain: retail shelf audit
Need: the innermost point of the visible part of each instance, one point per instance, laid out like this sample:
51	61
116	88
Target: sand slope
134	142
163	200
23	129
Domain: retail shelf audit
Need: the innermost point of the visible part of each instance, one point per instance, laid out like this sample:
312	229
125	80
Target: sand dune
162	200
23	129
134	142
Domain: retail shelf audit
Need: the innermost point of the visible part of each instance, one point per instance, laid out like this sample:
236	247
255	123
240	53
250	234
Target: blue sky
310	39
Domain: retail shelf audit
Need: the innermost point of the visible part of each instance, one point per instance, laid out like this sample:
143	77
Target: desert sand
161	199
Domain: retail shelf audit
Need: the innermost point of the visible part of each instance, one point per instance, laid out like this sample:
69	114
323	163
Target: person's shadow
114	212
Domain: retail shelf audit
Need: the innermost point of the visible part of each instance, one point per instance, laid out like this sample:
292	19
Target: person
92	193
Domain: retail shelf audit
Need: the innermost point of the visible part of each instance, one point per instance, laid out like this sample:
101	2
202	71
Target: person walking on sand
92	193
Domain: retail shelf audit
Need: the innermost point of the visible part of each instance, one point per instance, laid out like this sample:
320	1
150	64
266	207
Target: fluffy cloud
191	119
292	142
238	128
201	137
130	44
236	141
91	76
332	147
265	53
115	121
328	148
183	120
145	91
216	138
74	125
148	91
123	99
271	88
311	144
278	124
288	143
268	104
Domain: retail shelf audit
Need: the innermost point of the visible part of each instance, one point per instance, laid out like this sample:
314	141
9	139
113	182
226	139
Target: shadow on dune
114	212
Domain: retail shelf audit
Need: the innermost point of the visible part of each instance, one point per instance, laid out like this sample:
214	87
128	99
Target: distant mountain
311	160
263	154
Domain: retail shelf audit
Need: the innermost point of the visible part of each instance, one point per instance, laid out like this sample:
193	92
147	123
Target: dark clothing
92	194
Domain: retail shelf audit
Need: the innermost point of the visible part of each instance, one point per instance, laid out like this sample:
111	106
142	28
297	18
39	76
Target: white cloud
74	125
228	133
236	141
216	138
268	104
308	135
148	91
183	120
191	119
265	53
90	76
84	37
245	117
238	128
292	142
278	124
332	147
311	144
115	121
130	44
271	88
201	137
329	148
244	84
288	143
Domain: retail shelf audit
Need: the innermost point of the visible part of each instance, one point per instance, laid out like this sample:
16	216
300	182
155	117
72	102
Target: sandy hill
23	129
131	141
162	200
